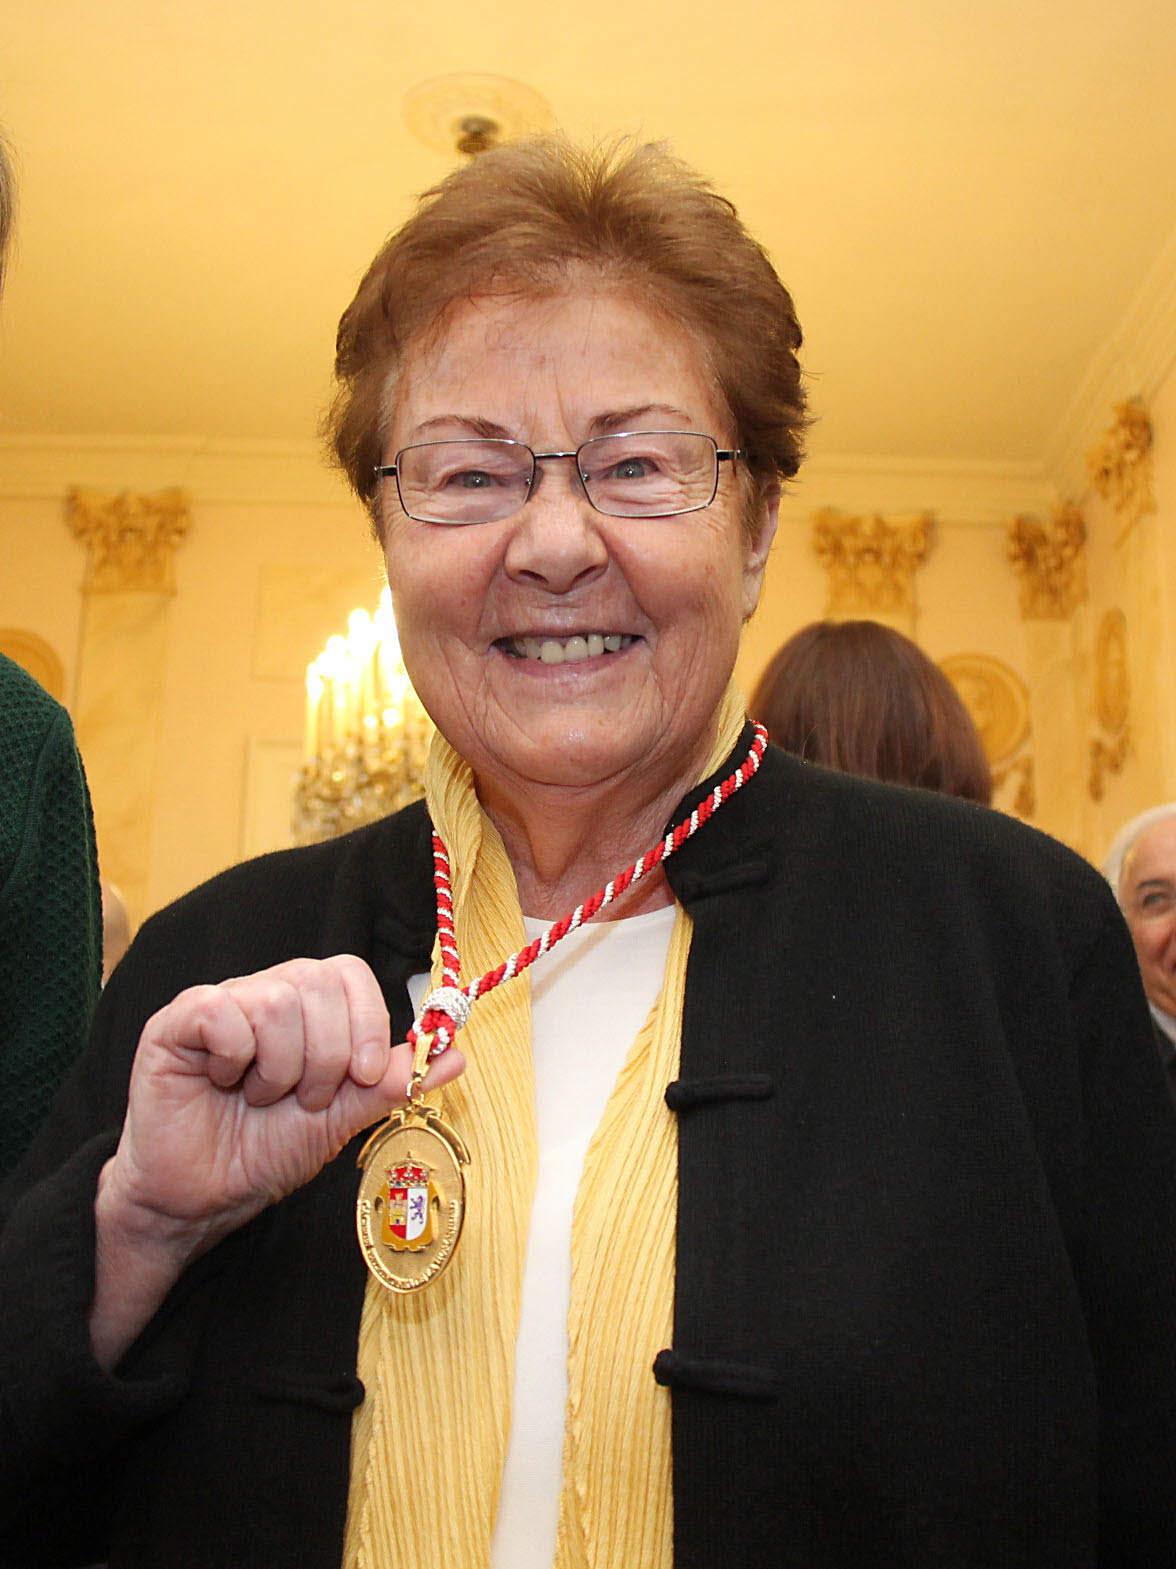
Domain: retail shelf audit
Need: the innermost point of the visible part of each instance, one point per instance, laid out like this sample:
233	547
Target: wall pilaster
131	542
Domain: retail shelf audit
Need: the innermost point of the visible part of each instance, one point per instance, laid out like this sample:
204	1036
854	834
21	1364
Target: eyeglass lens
650	474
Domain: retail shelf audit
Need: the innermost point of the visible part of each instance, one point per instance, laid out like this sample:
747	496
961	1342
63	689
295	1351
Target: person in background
1141	868
50	935
820	1202
862	698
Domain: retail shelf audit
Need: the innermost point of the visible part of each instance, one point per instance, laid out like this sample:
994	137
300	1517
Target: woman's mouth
565	650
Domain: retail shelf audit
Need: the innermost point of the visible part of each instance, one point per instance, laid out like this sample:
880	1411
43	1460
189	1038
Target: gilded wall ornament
1112	679
1112	702
1050	559
131	539
1120	465
998	702
871	561
1106	758
995	697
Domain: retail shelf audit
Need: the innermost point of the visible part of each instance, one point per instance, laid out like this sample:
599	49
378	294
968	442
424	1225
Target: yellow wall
277	553
260	584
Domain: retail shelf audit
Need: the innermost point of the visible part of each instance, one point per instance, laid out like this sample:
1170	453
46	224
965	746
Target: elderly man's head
1142	870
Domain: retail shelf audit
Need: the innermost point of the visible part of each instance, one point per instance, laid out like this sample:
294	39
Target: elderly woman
1141	868
815	1206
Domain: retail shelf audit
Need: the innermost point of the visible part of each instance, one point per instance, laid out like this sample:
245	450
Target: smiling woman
834	1113
635	719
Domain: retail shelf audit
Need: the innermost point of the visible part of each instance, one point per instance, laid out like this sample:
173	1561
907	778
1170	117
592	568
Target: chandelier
367	735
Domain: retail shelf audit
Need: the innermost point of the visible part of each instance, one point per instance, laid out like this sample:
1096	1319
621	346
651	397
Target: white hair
1127	837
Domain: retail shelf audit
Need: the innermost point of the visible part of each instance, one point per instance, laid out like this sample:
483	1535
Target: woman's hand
239	1094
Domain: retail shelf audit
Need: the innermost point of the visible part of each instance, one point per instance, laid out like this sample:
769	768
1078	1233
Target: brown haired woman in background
821	1198
862	698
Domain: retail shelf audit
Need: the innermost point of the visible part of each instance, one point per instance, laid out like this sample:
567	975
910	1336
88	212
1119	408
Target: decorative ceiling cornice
1132	363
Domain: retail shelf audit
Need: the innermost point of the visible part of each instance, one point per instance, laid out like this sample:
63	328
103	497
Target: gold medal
411	1200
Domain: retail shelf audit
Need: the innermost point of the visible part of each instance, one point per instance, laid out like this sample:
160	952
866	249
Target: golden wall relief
1112	703
1120	465
998	701
131	541
1050	560
871	563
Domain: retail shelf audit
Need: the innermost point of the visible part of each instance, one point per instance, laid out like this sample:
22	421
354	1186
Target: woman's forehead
595	348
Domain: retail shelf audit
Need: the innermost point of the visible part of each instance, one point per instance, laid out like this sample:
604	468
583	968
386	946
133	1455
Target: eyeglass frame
722	455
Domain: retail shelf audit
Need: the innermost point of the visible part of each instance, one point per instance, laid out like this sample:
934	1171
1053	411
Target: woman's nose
556	542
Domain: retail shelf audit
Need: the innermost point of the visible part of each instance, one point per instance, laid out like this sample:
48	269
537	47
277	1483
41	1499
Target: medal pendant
411	1200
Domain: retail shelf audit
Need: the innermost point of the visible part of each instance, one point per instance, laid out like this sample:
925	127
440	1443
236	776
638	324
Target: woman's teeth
568	650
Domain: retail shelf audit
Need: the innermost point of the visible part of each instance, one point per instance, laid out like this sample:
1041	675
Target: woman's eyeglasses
636	474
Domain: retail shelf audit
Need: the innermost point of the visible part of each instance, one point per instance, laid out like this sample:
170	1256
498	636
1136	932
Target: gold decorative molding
1112	702
871	560
1050	559
1106	759
1120	465
131	539
998	702
1021	771
995	697
39	658
1112	678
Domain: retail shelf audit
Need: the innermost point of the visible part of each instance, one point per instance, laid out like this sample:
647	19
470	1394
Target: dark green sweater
50	923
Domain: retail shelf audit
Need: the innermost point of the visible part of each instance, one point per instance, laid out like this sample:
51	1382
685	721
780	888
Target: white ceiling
965	199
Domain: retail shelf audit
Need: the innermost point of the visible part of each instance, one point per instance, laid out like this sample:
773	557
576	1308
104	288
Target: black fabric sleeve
1126	1264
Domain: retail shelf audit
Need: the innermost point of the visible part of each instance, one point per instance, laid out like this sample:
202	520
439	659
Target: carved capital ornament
131	539
1120	465
1050	559
871	560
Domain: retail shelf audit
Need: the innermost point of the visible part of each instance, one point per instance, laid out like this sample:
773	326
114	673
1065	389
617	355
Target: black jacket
916	1063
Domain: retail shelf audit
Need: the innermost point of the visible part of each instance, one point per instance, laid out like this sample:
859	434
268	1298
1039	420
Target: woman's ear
758	547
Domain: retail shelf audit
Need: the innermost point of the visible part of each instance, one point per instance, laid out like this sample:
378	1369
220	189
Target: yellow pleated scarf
429	1441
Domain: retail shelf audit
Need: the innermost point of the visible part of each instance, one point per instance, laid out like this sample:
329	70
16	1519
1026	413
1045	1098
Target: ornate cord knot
445	1007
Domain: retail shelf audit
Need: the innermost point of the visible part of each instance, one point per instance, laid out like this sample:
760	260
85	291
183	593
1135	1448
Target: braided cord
448	1006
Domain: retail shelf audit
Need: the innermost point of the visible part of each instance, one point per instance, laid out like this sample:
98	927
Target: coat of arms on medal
411	1201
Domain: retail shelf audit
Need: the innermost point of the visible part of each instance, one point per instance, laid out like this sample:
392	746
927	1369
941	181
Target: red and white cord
448	1006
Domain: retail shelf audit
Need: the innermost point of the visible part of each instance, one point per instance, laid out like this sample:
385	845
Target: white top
589	999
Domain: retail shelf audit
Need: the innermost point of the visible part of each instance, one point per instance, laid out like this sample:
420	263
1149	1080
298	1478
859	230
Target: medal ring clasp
420	1066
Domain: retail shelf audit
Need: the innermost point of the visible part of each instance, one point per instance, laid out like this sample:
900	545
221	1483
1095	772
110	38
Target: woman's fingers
273	1006
204	1031
312	1021
370	1033
398	1071
306	1042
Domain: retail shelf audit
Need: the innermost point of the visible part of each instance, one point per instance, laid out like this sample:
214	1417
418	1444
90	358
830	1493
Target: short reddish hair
533	216
861	698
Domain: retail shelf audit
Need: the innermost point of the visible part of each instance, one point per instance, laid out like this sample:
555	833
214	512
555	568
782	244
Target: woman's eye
470	479
631	468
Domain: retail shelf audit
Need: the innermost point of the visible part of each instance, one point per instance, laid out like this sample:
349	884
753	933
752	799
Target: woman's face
1148	891
475	603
